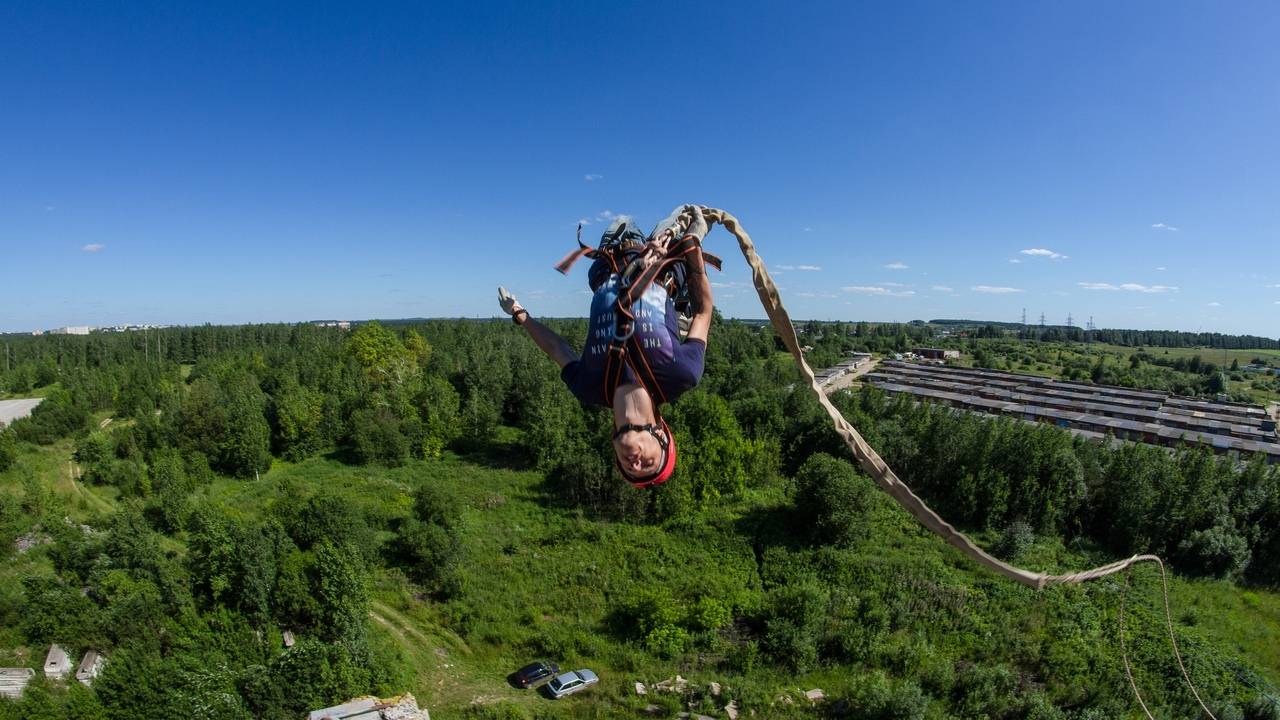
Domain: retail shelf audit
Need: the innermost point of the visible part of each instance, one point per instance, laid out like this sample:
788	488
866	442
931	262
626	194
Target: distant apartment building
71	330
340	324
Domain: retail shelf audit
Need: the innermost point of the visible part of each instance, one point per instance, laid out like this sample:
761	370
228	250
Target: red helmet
668	465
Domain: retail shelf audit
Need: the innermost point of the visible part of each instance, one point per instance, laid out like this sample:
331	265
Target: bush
57	417
377	437
832	500
793	620
1218	552
709	614
1016	539
8	449
667	641
877	698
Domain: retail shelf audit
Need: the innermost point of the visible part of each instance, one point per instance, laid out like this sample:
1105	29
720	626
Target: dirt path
86	493
386	615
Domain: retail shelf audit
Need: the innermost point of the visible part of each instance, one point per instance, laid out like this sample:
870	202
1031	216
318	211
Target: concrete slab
11	410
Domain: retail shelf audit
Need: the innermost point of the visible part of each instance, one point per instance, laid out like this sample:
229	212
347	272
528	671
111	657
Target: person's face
638	452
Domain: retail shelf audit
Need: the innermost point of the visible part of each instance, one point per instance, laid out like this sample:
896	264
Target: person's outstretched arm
556	347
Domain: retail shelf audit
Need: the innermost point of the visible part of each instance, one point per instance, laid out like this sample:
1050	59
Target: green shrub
8	449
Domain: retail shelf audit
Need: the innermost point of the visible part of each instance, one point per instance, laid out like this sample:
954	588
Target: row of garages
1098	415
1069	401
832	373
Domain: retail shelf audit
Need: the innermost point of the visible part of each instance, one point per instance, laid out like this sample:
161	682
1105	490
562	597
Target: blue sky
184	163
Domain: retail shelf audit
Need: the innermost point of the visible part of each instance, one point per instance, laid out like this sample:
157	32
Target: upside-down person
634	359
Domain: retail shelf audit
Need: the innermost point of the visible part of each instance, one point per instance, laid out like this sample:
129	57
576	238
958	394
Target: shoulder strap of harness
624	347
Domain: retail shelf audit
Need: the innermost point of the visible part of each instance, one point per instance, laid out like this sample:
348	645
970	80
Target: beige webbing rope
873	465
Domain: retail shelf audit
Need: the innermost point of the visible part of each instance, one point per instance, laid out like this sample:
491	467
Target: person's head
645	454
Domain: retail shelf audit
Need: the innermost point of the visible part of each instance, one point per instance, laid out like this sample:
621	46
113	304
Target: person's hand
669	226
510	305
697	223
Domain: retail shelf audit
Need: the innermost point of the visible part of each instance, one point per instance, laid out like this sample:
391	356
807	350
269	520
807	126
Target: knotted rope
873	465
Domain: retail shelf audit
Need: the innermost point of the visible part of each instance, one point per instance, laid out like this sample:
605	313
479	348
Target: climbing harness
875	466
638	263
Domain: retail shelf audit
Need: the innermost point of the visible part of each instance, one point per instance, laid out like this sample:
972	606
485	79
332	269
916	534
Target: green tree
832	500
8	449
298	417
430	543
439	407
342	596
386	361
378	438
712	451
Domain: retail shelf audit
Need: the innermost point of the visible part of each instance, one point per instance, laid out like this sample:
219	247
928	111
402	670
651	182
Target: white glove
697	224
509	304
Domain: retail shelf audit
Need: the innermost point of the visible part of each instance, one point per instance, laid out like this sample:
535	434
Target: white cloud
1277	285
877	290
808	267
601	216
1162	268
892	284
1162	226
1015	261
897	265
808	229
941	288
806	294
592	177
1044	252
1131	287
785	268
1215	303
995	290
93	247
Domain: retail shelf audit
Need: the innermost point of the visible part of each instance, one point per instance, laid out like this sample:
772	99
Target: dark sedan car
535	673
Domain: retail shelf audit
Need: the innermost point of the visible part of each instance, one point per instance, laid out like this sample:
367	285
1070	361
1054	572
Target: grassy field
544	581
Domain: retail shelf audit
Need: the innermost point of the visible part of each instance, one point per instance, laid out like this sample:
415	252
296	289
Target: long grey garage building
1096	410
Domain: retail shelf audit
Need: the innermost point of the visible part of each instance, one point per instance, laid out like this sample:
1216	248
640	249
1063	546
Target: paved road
11	410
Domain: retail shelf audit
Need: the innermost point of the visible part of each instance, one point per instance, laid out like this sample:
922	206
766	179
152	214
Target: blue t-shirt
677	365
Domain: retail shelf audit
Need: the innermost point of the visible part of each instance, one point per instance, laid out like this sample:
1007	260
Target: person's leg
700	295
